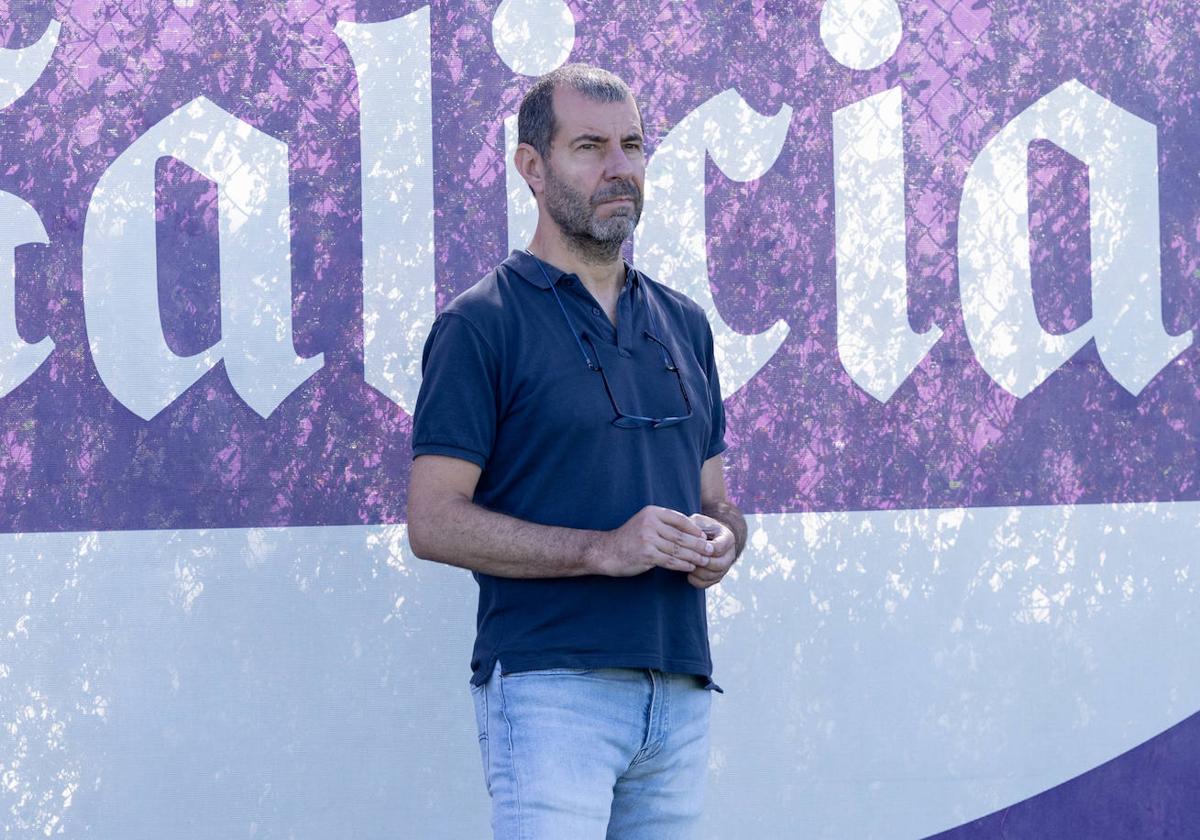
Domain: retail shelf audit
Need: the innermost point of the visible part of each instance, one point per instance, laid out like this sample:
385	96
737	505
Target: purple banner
805	435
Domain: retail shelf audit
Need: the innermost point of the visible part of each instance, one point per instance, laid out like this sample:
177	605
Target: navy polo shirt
505	387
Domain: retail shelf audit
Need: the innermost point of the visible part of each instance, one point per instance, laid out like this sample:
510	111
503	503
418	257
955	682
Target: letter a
995	280
19	225
120	282
19	222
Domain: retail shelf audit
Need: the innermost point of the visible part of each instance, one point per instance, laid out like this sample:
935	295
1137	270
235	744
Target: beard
596	240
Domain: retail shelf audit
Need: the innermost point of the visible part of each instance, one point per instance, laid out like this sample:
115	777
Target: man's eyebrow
633	137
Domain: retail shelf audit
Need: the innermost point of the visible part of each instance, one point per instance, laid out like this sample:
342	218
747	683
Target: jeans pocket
550	672
479	698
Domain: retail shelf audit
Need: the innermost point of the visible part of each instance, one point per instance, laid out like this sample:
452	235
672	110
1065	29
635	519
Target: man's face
595	172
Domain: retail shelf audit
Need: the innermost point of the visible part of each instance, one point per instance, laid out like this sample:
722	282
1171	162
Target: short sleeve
457	404
716	440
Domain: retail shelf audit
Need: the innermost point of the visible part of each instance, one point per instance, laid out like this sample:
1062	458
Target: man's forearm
728	515
473	537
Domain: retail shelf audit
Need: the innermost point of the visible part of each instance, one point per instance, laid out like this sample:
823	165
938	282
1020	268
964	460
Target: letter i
393	62
876	344
532	37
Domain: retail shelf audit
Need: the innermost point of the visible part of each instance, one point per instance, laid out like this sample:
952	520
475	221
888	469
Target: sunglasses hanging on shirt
623	420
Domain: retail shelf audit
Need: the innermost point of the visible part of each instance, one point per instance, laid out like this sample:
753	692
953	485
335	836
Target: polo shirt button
595	310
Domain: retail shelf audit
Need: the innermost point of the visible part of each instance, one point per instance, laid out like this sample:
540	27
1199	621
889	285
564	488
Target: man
567	442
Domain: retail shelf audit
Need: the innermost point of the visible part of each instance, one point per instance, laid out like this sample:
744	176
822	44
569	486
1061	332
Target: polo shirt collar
529	268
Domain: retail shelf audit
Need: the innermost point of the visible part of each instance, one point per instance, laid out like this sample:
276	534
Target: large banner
949	250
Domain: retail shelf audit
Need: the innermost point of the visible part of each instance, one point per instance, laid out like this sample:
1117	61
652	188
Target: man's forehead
576	113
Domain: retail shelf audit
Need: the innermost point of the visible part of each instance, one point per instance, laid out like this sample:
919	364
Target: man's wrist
589	552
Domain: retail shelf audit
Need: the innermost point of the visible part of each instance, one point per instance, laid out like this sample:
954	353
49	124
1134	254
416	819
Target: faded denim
600	754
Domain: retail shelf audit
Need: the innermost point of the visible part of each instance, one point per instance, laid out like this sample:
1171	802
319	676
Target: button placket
602	327
625	321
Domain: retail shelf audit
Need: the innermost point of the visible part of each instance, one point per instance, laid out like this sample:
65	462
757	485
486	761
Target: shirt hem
515	662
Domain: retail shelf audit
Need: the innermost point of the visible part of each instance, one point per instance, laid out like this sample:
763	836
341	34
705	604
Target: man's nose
617	164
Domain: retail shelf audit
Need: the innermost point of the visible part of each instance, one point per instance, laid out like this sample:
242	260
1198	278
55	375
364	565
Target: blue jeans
606	753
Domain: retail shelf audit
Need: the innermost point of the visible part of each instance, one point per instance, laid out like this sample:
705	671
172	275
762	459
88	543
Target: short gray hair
535	121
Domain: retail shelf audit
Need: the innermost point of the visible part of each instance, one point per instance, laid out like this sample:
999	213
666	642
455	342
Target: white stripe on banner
887	674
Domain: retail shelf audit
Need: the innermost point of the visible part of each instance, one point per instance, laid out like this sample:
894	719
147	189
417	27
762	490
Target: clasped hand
656	536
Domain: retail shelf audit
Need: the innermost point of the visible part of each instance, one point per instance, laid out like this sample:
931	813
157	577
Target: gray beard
594	240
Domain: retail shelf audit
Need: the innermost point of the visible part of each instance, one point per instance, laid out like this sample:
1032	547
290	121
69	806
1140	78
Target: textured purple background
802	436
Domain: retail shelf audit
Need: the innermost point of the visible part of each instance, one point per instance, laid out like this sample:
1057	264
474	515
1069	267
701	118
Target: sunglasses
622	419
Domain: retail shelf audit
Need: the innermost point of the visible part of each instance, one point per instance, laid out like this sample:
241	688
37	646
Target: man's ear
529	164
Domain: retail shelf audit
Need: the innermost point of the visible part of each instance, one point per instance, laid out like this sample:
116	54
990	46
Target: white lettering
861	34
876	345
19	225
1121	152
522	206
19	69
392	61
532	37
671	242
19	222
120	291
